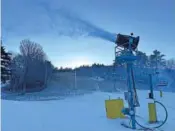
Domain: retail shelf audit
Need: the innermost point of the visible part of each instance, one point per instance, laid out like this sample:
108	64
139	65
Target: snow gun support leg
131	97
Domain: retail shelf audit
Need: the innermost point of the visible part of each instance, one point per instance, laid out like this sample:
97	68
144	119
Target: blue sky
42	22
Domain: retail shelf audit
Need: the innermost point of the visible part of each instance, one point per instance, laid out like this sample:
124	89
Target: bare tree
30	68
33	56
32	50
17	67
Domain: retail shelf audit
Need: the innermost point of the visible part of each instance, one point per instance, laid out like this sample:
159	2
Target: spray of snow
68	24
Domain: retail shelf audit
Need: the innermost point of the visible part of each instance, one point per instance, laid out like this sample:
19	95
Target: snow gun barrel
123	41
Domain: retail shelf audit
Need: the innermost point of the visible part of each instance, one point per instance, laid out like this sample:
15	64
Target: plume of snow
68	24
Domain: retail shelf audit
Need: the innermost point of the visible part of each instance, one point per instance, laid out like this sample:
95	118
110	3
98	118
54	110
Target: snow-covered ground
79	113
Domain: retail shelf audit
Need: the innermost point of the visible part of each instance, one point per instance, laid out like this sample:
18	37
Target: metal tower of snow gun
127	45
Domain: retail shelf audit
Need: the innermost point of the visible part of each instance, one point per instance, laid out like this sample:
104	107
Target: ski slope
78	113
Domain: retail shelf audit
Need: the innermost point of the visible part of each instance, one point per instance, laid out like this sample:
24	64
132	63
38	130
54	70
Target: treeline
155	60
30	70
144	65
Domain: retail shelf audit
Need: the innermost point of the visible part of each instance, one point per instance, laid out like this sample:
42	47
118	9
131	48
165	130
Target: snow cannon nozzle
124	41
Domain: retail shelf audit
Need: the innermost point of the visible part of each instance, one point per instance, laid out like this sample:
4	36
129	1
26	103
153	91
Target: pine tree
5	63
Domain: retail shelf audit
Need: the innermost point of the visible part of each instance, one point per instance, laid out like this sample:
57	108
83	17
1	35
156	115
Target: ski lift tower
126	46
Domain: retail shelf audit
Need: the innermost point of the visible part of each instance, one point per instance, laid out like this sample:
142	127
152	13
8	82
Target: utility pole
75	80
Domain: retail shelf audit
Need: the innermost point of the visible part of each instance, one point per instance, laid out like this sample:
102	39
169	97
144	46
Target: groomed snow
78	113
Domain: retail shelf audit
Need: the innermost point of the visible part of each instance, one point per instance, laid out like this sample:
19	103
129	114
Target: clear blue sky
152	20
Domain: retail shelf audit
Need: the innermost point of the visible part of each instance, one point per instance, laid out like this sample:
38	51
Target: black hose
161	123
165	112
144	127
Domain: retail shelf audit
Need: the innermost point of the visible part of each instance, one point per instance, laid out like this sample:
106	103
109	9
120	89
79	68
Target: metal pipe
131	98
75	79
151	87
131	104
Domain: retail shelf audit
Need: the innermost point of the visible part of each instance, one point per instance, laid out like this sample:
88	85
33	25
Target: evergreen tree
5	65
157	59
142	60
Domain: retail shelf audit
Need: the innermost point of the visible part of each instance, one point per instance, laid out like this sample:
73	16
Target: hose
164	121
165	112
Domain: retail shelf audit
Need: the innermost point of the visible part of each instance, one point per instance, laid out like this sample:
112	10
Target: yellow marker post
161	94
113	108
152	113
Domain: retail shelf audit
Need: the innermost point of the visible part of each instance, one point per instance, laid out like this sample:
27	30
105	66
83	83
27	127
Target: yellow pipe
161	94
152	113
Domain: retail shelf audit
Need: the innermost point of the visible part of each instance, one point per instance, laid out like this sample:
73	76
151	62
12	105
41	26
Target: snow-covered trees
157	59
30	69
170	64
5	65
